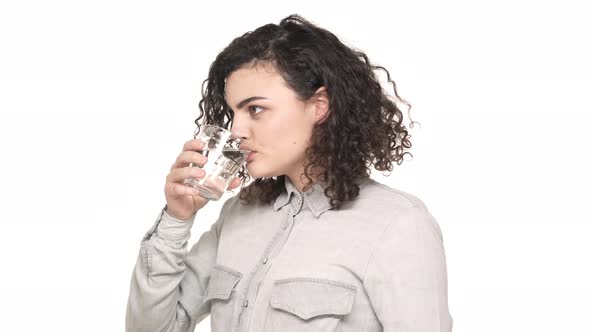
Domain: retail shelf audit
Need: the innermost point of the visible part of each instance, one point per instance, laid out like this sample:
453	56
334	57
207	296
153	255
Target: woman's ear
321	102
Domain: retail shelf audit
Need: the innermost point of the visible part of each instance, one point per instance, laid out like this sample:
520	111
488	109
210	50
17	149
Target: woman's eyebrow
247	100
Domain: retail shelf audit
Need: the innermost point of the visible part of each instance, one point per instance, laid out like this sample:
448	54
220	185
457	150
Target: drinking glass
224	159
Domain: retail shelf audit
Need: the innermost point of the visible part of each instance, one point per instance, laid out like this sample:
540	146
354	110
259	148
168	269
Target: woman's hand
182	200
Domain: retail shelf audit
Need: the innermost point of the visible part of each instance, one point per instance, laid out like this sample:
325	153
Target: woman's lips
251	156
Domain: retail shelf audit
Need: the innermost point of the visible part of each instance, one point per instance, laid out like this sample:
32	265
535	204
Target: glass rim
198	129
236	150
245	151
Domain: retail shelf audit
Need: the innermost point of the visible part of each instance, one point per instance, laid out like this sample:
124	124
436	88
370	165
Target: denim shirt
377	264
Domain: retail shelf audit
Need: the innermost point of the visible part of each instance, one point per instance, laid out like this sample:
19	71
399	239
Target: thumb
235	183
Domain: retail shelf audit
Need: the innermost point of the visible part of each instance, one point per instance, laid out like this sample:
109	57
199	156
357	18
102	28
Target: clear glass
224	160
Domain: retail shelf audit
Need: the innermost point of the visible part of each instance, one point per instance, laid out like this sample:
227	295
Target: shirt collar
315	198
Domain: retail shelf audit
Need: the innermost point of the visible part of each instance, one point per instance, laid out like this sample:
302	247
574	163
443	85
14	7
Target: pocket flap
310	297
222	282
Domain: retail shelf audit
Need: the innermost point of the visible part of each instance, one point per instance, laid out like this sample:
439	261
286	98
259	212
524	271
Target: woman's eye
253	108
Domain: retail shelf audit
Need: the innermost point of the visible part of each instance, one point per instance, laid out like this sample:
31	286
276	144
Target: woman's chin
255	171
252	171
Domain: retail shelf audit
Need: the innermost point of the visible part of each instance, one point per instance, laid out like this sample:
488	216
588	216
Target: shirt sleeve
406	275
168	283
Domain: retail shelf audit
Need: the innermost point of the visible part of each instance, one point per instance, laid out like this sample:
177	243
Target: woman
312	244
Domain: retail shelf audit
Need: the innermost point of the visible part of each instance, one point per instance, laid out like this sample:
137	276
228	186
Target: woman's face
275	124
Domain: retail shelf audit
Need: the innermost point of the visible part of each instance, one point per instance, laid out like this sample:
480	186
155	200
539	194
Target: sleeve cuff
172	229
170	218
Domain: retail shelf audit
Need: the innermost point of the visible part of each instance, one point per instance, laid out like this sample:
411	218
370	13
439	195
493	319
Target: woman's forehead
248	82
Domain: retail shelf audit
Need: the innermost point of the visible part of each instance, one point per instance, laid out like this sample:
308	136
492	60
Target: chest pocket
220	292
309	304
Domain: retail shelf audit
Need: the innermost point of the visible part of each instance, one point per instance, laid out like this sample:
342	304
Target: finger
177	189
180	174
193	145
184	190
187	157
234	183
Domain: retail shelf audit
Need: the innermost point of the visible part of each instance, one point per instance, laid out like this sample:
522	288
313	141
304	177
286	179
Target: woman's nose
238	131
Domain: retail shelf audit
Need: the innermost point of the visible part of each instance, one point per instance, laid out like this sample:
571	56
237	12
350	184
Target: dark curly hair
363	127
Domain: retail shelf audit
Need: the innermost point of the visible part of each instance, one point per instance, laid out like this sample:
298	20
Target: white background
97	99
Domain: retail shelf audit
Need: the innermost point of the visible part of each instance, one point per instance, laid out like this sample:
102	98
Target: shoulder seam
405	195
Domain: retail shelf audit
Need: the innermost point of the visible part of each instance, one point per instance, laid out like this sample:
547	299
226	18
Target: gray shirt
377	264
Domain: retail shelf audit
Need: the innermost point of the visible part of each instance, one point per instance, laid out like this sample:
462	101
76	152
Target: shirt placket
248	299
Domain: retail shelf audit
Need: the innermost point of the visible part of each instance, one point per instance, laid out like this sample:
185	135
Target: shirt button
265	260
246	304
